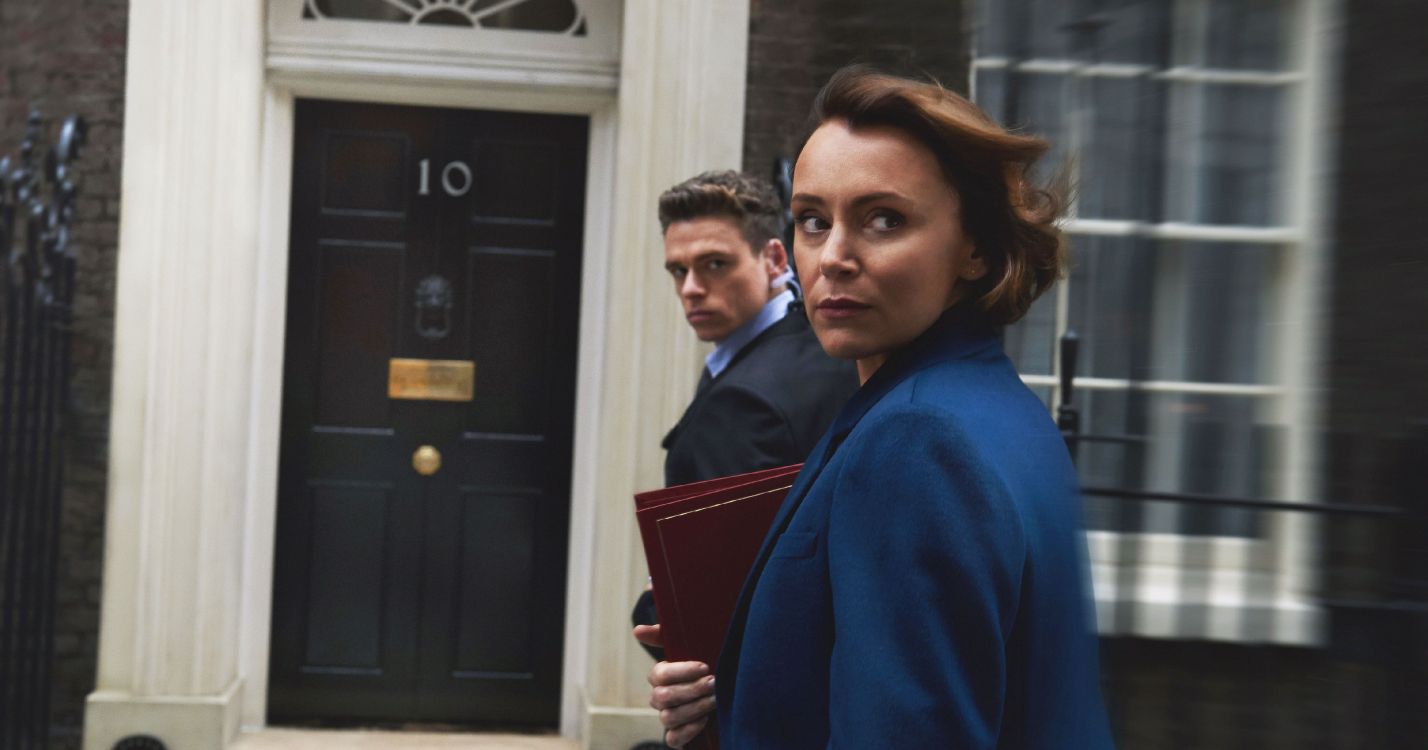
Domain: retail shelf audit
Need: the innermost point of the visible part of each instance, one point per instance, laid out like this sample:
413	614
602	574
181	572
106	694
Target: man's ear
775	258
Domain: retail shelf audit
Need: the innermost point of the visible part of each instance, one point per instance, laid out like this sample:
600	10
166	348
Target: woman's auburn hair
1012	222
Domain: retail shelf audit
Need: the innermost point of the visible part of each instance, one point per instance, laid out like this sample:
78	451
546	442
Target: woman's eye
811	223
885	220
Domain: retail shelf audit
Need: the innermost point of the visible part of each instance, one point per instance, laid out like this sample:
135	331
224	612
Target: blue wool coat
924	584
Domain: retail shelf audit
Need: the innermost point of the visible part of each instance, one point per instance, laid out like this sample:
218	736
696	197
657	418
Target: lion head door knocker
434	298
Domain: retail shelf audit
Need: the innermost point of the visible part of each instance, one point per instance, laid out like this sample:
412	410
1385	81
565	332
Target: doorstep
361	739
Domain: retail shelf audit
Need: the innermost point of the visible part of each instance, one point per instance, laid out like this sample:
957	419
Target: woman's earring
975	268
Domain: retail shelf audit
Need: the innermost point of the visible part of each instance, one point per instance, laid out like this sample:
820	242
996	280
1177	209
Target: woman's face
878	240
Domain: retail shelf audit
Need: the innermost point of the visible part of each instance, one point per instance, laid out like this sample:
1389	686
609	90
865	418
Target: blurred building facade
1219	154
271	184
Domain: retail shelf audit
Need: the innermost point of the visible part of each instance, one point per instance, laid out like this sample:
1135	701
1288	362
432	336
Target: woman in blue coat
924	584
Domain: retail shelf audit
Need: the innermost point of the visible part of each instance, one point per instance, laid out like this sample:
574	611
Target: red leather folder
701	540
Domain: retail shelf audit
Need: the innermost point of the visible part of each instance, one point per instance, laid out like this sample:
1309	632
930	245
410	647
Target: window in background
1185	128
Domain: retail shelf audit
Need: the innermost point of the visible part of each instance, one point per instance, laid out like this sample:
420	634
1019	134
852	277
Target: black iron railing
37	196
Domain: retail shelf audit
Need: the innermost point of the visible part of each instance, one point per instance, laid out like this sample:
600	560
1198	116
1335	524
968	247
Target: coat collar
958	334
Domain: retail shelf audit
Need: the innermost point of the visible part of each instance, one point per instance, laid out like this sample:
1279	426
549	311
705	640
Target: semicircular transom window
553	16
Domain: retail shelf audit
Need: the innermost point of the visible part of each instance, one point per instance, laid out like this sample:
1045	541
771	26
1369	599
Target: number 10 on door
455	178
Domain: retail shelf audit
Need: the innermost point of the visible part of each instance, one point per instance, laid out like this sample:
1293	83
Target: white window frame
1175	574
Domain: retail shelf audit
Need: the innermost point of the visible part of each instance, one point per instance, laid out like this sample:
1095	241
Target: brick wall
1379	273
795	45
1186	694
63	57
1377	379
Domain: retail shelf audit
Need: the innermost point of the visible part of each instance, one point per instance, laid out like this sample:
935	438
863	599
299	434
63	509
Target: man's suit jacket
767	408
924	584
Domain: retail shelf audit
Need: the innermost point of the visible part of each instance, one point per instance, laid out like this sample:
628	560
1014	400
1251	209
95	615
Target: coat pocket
795	544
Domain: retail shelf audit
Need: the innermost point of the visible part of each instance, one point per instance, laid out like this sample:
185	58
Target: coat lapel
955	335
727	668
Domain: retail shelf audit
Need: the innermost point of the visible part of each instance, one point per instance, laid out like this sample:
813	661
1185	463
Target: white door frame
281	93
200	320
703	131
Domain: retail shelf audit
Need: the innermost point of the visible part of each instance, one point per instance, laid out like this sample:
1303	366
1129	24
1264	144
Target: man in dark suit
768	391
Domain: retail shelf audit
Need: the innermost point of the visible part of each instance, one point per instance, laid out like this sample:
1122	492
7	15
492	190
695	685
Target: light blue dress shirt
725	350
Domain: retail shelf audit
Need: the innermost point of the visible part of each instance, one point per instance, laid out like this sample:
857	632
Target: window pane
1034	103
990	28
989	88
1224	153
1007	29
534	15
1199	444
1180	311
1121	168
1130	31
1030	341
1043	392
1248	34
527	15
1043	108
1044	28
1222	329
1111	283
1119	31
1105	464
366	10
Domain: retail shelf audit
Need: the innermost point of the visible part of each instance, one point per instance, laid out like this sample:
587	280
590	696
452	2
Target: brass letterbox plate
431	379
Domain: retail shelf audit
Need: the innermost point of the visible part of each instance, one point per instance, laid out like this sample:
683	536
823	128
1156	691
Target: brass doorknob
426	460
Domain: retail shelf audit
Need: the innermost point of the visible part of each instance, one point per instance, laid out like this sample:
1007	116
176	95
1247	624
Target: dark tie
704	381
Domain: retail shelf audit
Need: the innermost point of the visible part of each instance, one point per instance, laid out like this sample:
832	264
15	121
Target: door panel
515	300
428	234
353	339
364	174
344	625
491	529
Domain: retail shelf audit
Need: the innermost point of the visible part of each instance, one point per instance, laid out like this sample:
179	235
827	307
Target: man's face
719	280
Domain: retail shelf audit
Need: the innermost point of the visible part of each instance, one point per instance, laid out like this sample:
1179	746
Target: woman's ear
975	266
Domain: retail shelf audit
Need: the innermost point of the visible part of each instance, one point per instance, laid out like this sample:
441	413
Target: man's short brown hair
749	201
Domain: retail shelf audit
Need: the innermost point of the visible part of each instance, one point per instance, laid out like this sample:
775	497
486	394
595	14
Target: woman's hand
682	692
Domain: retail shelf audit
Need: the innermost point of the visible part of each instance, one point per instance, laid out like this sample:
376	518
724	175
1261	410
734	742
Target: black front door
421	536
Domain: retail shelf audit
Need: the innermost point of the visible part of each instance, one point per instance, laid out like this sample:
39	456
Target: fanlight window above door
563	17
565	44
